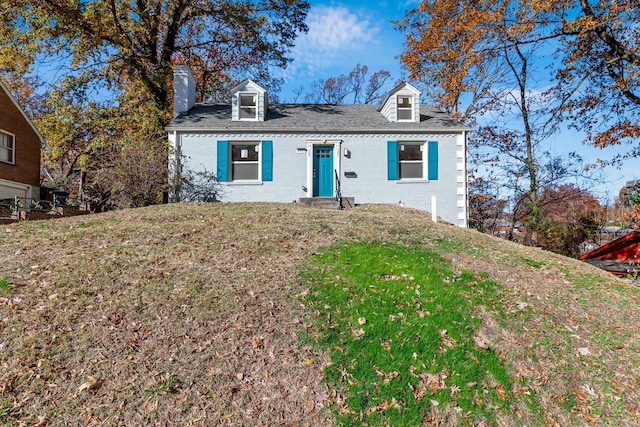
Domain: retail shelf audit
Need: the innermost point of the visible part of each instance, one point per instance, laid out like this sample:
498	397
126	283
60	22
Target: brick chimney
184	90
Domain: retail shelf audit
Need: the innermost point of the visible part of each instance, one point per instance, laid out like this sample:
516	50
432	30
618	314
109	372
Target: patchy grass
4	285
190	314
404	334
168	384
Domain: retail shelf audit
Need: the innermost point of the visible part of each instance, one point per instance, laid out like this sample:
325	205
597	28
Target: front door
322	171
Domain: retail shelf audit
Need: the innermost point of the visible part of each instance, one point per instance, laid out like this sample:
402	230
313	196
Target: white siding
262	106
389	109
235	107
368	159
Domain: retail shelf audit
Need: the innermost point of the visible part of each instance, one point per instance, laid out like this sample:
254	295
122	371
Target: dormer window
248	106
249	102
401	104
405	108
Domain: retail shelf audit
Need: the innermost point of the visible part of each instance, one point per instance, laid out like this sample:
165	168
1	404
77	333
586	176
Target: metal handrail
338	191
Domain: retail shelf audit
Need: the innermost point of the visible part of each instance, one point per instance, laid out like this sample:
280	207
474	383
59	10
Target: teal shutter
433	160
267	160
392	160
223	161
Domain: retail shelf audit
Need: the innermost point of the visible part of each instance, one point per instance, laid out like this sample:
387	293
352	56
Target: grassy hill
223	314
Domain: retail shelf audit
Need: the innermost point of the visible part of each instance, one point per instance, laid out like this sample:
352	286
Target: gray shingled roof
311	118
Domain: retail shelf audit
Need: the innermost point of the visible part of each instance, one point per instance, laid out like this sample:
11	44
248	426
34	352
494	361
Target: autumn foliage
111	87
629	202
454	45
441	49
485	62
570	217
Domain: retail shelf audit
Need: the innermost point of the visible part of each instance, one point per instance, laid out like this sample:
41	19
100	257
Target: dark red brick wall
26	169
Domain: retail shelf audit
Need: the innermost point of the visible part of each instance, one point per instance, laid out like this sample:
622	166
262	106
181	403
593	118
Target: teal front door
322	171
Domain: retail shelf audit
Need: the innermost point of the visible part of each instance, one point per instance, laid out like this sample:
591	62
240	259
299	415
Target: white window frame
12	150
409	108
258	162
422	161
254	95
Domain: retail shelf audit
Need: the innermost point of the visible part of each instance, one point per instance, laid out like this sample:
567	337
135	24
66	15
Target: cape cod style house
20	145
396	153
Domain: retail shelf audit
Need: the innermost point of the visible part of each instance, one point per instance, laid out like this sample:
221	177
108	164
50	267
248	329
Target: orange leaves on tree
444	45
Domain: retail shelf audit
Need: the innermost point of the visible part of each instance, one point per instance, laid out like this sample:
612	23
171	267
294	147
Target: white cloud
335	33
333	28
341	36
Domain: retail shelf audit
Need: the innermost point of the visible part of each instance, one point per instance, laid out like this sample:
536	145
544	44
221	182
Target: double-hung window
7	147
410	162
248	106
244	161
405	108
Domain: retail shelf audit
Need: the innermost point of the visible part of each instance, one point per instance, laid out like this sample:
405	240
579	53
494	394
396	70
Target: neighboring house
395	153
621	256
20	145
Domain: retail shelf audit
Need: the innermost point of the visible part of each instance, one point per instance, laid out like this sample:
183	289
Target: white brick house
397	153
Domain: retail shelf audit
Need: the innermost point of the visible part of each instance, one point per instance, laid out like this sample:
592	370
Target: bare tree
364	89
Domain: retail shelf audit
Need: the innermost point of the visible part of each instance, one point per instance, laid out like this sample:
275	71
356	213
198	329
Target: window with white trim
248	106
7	147
405	108
245	161
410	160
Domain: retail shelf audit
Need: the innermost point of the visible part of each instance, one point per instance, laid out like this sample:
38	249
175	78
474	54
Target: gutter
317	130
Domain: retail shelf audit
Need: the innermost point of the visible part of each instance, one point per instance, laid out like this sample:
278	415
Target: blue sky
345	33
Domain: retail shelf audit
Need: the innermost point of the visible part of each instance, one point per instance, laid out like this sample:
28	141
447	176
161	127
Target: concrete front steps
327	202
